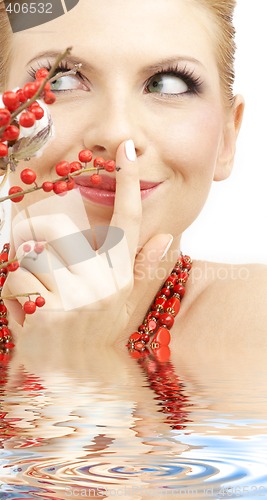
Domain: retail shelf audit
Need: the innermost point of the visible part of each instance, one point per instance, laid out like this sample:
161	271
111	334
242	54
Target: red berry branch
22	111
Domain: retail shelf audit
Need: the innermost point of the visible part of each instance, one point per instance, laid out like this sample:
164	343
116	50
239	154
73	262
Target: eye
166	83
67	82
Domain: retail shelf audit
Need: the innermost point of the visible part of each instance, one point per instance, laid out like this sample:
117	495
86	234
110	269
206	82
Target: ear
232	126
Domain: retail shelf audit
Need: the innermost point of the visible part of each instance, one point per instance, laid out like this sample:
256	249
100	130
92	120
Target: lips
104	193
109	183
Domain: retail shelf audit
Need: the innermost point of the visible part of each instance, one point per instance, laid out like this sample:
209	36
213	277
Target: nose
113	119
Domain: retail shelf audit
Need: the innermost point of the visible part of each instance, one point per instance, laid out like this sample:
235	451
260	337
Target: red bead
96	179
40	301
13	190
172	280
135	336
139	346
41	73
10	100
75	166
28	176
166	319
179	289
49	97
22	97
2	280
151	325
29	90
166	291
145	337
70	184
13	266
62	168
11	133
142	328
27	119
163	354
38	112
5	332
60	187
183	277
162	337
154	314
3	321
5	117
85	156
110	166
160	301
9	345
3	149
4	256
3	309
29	307
99	162
174	305
47	186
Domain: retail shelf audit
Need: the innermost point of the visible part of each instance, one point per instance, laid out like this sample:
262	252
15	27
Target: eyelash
61	68
193	82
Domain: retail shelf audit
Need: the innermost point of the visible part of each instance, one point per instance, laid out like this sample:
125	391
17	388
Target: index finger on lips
127	213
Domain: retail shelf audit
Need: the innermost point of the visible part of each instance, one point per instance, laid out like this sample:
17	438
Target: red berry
40	301
38	112
28	176
85	156
29	307
38	247
27	248
49	97
60	187
13	190
41	73
10	100
22	97
110	166
5	117
3	150
62	168
70	184
13	266
33	105
96	179
74	166
99	162
29	89
11	133
39	82
47	186
27	119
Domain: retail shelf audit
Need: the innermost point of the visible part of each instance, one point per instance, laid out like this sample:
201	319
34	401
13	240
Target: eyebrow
172	60
53	54
87	67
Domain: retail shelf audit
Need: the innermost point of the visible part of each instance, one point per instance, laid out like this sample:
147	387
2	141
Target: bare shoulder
227	300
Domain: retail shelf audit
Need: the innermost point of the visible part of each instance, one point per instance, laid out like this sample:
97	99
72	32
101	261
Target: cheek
191	142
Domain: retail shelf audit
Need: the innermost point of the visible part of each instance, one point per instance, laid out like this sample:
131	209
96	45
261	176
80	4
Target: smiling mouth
104	193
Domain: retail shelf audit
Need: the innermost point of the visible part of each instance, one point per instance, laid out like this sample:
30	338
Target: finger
128	206
152	266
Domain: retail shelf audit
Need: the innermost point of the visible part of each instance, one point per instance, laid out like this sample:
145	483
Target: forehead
125	30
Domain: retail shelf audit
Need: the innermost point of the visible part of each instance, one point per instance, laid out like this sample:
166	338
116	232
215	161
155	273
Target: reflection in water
71	434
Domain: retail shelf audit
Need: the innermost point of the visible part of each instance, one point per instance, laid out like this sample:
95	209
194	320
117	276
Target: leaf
27	147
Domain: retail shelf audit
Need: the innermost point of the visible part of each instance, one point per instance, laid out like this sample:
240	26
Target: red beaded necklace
149	345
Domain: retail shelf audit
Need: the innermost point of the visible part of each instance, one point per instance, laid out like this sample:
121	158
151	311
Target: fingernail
167	247
130	150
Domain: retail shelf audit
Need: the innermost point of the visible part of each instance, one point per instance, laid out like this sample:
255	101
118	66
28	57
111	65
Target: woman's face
149	73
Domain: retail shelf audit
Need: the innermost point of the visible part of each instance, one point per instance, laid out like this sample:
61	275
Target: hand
90	297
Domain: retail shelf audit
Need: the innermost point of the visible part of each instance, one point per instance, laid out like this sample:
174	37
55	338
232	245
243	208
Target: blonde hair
221	12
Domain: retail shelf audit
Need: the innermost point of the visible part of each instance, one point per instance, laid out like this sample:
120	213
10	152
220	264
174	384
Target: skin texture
184	141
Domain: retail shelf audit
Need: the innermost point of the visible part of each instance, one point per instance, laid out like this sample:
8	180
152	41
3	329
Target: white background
232	226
